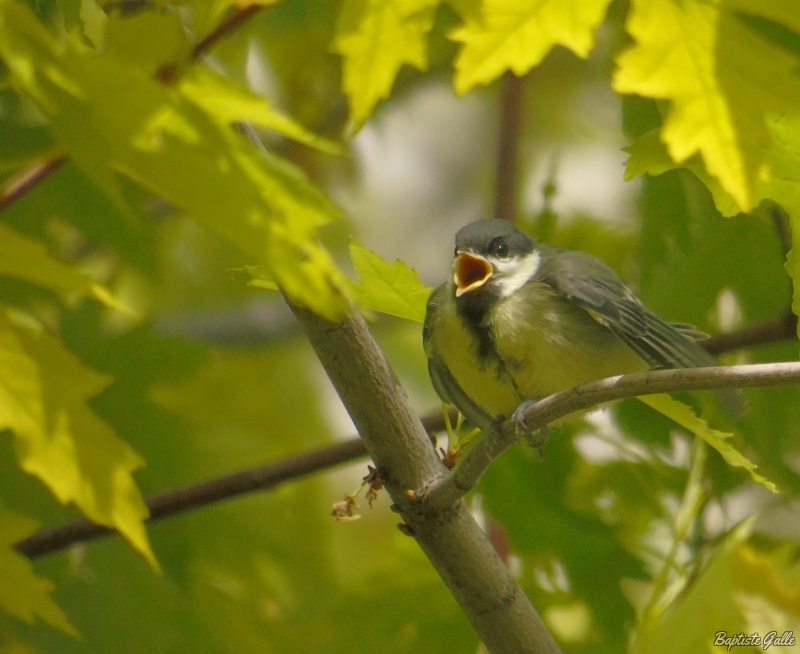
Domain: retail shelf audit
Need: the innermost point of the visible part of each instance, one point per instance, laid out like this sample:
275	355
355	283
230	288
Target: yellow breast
486	383
550	344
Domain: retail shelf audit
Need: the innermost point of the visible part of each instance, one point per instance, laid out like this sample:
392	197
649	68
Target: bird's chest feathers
485	380
548	343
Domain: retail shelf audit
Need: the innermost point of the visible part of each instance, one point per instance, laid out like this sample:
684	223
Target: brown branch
763	333
507	182
227	26
189	498
271	475
492	600
23	181
443	491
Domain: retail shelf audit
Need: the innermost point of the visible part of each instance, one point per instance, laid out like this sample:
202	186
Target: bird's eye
499	249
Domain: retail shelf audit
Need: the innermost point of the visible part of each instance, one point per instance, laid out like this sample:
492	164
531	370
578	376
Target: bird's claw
518	419
522	430
538	443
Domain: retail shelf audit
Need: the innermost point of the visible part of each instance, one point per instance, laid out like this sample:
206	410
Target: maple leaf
376	37
721	78
391	288
517	34
58	439
23	593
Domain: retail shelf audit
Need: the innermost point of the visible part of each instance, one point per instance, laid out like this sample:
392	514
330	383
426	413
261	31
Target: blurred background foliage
210	376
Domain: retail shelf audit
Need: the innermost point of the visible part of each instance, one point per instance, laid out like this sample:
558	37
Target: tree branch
163	505
24	180
189	498
763	333
271	475
507	182
440	494
230	24
499	611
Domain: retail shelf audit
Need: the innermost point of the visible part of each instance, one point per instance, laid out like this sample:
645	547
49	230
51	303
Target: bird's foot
539	441
518	419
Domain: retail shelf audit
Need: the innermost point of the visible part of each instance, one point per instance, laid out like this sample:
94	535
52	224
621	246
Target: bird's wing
593	286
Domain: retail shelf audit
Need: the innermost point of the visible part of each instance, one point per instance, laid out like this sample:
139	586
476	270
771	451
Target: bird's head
493	258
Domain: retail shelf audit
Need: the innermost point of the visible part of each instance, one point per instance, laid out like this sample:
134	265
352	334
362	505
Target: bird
521	320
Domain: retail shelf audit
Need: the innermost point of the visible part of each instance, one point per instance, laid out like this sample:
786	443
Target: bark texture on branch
482	585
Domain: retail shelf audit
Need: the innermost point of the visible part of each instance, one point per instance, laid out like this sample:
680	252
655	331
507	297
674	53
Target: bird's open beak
470	271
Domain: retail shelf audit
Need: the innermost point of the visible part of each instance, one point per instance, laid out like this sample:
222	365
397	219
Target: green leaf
94	22
779	181
375	38
741	591
23	593
166	38
113	118
22	257
686	418
713	69
517	34
391	288
43	395
231	103
649	156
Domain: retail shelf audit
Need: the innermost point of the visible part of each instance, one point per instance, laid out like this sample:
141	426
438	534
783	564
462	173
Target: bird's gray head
493	258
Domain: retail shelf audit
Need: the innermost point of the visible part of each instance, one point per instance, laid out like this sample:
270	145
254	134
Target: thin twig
763	333
230	24
507	182
189	498
23	181
443	492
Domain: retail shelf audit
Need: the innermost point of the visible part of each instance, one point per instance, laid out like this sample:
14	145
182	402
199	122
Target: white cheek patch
510	276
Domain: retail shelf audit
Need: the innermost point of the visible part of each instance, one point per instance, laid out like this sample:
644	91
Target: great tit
520	320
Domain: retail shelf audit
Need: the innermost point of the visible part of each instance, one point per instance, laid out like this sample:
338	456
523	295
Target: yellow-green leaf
254	276
94	22
25	258
111	116
721	79
391	288
686	418
230	103
375	38
779	181
649	156
517	34
23	593
57	438
779	11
